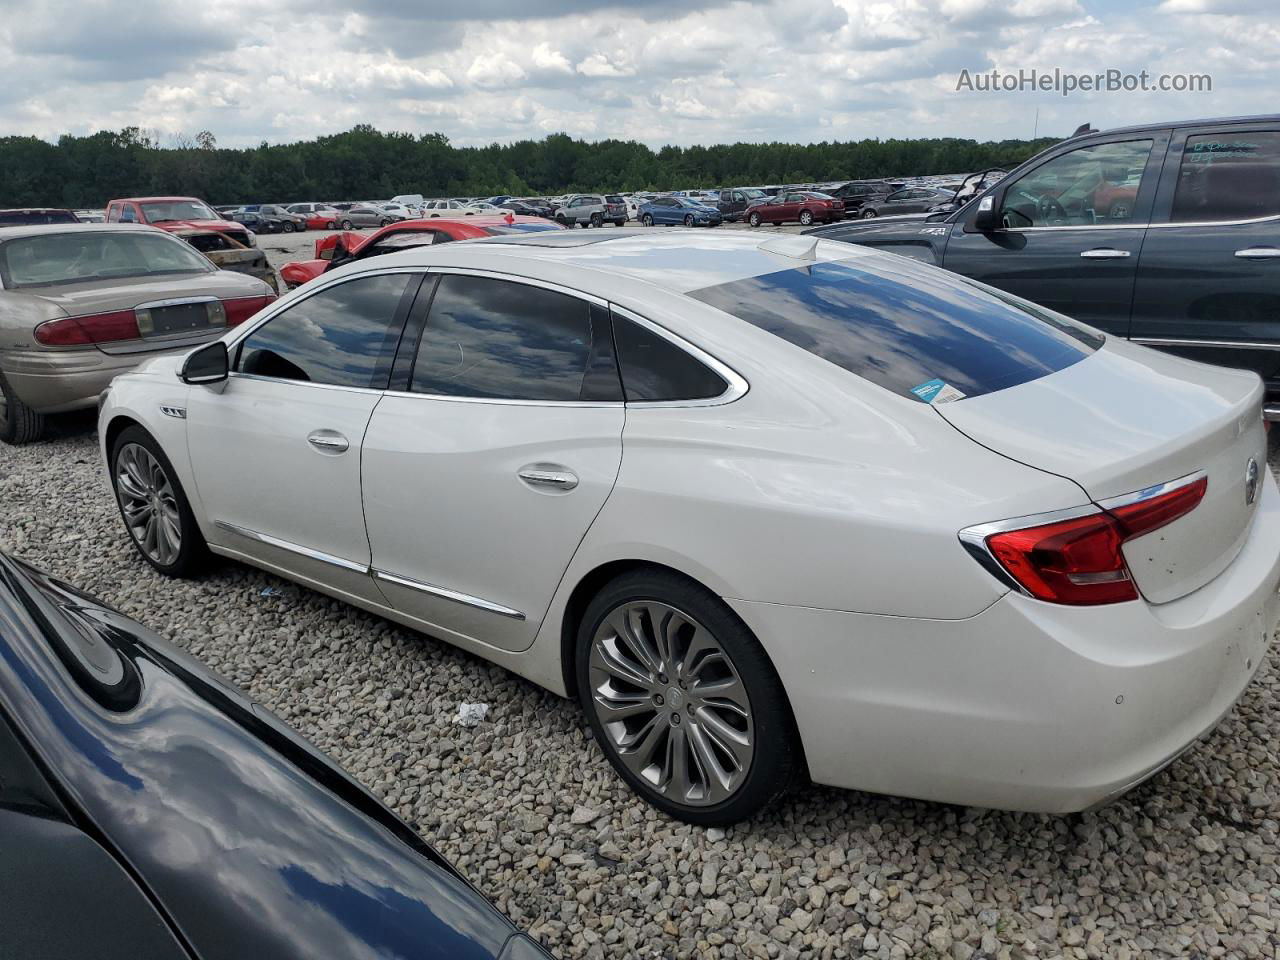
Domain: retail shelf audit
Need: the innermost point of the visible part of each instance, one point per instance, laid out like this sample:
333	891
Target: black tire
806	218
776	759
346	224
18	423
596	220
868	214
688	219
193	552
754	219
287	226
619	223
647	220
384	222
330	225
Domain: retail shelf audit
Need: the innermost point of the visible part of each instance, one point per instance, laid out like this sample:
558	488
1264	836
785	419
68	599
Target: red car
340	248
325	219
176	213
803	205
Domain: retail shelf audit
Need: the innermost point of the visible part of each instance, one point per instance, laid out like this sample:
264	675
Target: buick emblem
1251	481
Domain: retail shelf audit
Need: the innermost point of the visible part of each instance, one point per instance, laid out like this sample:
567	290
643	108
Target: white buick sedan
766	508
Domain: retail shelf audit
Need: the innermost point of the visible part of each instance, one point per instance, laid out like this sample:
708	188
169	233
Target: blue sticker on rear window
927	390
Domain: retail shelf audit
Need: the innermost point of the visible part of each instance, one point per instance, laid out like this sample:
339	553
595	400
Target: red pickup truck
175	213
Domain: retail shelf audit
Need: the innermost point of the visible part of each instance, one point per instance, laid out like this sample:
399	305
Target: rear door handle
329	441
1259	253
545	475
1104	253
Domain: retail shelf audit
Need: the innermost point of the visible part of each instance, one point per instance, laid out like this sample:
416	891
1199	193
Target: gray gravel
527	808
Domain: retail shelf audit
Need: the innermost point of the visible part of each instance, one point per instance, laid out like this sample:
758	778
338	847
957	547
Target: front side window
344	336
1088	186
907	331
56	258
1228	176
495	339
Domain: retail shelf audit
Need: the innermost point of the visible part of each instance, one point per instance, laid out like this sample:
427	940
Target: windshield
929	336
77	257
162	211
754	194
20	218
521	228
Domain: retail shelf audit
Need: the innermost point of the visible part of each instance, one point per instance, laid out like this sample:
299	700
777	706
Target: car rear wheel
683	700
153	505
754	219
806	217
330	225
868	214
346	224
596	220
647	220
18	422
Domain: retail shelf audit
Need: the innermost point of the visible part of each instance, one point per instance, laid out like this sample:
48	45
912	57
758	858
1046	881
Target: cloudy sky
659	71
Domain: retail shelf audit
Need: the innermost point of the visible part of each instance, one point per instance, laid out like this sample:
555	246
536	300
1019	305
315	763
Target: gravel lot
529	810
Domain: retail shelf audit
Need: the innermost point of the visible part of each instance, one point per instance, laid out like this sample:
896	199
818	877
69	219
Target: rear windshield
922	334
522	228
613	200
25	218
57	258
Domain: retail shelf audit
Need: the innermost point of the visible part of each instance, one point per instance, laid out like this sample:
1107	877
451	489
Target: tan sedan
81	303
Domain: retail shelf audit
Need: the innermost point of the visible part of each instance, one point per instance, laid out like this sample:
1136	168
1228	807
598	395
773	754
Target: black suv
1167	234
857	192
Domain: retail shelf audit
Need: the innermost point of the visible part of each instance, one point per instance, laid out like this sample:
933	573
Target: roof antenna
797	248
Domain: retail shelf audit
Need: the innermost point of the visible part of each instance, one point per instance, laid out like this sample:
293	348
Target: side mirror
988	216
206	365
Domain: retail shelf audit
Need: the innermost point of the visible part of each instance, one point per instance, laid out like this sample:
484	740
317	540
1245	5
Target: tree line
365	163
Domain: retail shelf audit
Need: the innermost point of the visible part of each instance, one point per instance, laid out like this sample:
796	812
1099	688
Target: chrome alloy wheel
671	702
148	503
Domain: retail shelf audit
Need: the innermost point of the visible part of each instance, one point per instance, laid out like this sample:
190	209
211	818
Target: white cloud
545	58
598	65
494	70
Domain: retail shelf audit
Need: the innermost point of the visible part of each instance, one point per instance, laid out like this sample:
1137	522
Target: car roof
151	199
1176	124
666	258
35	229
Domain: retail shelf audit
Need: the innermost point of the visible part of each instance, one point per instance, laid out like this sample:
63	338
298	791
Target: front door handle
328	441
1259	253
1104	253
548	475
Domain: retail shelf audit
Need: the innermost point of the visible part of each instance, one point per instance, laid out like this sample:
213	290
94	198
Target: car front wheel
153	505
806	218
868	214
683	700
688	220
754	219
18	422
647	220
287	227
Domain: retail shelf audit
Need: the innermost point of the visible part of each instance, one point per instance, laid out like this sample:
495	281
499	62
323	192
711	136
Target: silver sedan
81	303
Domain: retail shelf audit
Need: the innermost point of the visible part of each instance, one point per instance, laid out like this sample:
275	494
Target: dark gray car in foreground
149	811
1167	234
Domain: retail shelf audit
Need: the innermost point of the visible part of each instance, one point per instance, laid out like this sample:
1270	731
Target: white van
411	200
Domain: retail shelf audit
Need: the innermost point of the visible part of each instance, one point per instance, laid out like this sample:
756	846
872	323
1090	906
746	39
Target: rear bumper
1028	705
60	380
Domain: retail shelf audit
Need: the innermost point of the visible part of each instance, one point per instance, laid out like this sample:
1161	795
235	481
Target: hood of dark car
251	842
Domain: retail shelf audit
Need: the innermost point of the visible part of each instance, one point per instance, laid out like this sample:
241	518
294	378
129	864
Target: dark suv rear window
920	333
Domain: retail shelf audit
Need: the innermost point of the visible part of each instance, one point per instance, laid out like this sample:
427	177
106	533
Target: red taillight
1079	561
242	308
83	331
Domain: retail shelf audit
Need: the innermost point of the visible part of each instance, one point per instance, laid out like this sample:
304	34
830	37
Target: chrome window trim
444	593
1144	226
294	548
1147	493
737	385
1187	342
234	374
518	278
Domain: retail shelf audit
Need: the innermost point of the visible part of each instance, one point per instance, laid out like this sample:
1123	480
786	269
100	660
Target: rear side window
344	336
1228	176
494	339
655	369
929	336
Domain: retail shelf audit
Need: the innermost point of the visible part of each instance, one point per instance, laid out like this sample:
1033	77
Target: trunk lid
1127	419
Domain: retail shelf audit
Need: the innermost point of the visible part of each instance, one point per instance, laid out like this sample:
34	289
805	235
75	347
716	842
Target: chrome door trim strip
294	548
446	594
488	272
1228	344
235	374
1140	226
